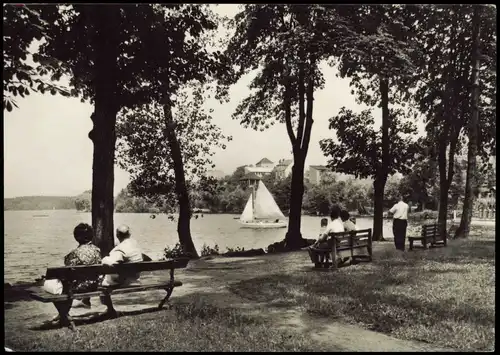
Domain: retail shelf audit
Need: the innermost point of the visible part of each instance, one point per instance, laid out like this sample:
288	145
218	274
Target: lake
35	240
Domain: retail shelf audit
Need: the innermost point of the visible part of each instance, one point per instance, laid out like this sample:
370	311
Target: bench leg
110	311
411	244
334	259
65	319
424	243
169	293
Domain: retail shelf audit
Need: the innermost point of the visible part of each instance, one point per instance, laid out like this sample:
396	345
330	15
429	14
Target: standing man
400	222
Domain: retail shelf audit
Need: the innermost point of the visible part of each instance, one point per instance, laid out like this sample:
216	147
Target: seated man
126	251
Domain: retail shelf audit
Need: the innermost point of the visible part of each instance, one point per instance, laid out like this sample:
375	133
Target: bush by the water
177	251
206	250
280	247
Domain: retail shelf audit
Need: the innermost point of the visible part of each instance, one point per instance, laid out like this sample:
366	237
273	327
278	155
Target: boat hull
263	225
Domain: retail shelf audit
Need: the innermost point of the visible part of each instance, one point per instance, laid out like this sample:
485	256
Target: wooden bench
67	274
356	245
430	234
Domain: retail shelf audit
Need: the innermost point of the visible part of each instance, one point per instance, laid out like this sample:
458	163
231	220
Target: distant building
265	163
283	169
251	179
216	174
316	172
262	168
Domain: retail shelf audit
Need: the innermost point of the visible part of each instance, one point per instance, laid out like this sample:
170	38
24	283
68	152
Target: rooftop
285	162
264	161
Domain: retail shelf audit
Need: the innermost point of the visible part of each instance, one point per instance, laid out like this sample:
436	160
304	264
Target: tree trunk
103	135
184	222
471	179
382	172
293	237
443	184
378	210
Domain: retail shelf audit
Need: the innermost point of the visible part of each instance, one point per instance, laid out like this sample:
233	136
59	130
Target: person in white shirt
126	251
400	222
335	226
349	225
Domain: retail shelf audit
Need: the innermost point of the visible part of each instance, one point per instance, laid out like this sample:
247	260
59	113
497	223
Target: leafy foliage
23	73
358	149
175	252
208	251
144	152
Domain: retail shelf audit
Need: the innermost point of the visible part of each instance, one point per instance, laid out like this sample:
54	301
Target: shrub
234	250
207	250
176	252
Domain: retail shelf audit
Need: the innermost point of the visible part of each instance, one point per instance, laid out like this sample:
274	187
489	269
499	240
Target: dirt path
209	282
324	330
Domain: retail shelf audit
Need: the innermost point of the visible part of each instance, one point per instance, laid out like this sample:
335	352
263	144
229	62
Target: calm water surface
33	242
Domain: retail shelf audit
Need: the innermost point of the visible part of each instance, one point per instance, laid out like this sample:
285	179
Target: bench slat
90	271
41	295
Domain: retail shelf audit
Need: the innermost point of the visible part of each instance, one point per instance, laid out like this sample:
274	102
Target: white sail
247	214
265	206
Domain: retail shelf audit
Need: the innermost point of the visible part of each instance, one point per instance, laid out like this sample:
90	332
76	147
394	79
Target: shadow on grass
442	295
95	317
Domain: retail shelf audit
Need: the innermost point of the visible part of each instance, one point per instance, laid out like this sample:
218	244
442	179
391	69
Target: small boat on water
40	215
261	211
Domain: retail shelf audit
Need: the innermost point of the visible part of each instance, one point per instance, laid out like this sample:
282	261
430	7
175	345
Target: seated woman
349	226
85	254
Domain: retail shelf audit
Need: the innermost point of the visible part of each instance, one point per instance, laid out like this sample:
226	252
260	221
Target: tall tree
285	43
102	48
184	30
463	229
358	148
443	73
376	56
153	161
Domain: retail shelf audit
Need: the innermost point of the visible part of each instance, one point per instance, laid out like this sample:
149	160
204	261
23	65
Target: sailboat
261	211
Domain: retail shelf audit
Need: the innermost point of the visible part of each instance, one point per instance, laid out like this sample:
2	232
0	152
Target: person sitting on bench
85	254
335	226
349	225
127	251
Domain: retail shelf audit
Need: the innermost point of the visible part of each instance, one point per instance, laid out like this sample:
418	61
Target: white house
283	169
265	163
262	168
316	172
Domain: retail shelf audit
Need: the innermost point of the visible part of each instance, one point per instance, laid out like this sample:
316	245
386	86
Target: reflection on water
31	243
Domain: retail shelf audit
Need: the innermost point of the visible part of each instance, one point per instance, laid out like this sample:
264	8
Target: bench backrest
83	272
349	238
431	231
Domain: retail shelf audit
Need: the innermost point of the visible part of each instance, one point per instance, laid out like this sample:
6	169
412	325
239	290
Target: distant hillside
39	203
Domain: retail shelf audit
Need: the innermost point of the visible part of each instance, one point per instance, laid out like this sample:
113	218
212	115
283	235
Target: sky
47	150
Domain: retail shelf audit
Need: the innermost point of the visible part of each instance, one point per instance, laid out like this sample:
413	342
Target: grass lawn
187	327
443	296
